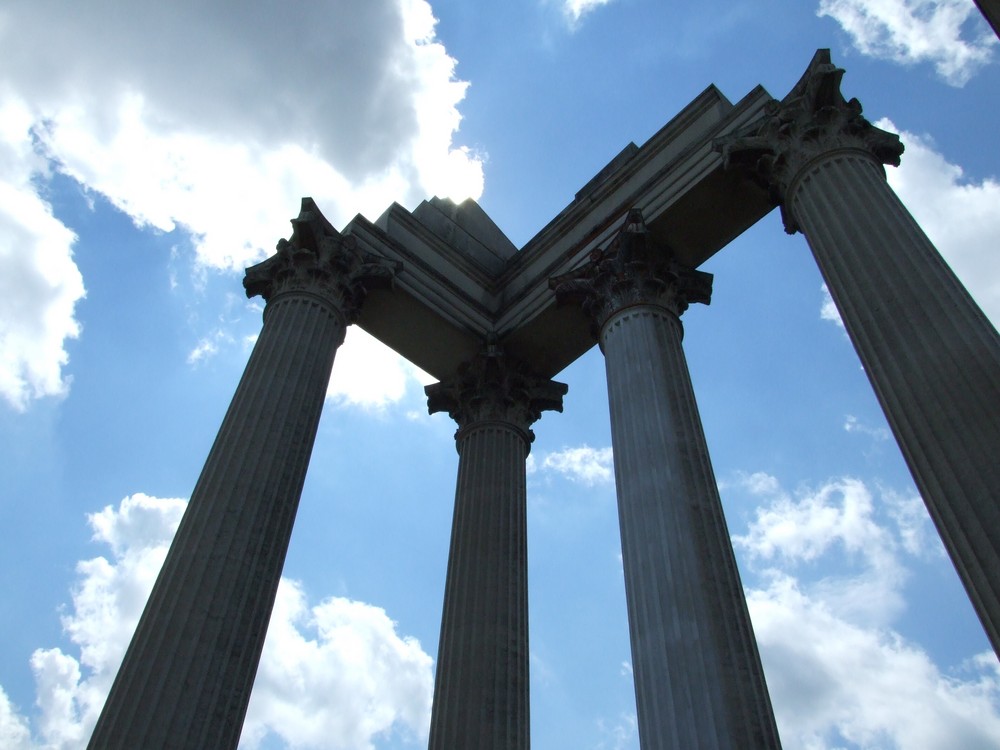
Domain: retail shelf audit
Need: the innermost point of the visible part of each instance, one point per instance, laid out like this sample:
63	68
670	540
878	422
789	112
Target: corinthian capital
319	260
632	270
814	119
493	388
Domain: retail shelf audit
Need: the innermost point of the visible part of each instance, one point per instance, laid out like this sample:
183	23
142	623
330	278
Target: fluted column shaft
481	686
930	353
991	12
698	677
194	654
481	683
932	356
187	675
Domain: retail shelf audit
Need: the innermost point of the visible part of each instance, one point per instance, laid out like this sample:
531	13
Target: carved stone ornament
492	388
318	260
812	120
632	270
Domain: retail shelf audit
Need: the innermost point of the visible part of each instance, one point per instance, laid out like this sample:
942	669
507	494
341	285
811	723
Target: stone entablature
447	299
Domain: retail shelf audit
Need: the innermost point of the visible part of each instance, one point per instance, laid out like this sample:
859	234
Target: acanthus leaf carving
632	270
812	120
494	388
317	259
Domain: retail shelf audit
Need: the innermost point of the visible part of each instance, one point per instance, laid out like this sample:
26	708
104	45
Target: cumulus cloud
41	284
335	674
182	118
838	674
833	681
839	516
913	31
581	464
14	731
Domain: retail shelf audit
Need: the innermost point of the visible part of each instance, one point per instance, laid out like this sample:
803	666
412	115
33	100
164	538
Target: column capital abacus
492	388
813	121
632	270
318	261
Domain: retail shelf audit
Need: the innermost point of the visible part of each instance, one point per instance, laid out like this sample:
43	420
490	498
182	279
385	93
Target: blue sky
149	152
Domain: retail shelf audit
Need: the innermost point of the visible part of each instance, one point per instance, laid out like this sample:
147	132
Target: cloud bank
838	674
183	119
334	674
41	284
915	31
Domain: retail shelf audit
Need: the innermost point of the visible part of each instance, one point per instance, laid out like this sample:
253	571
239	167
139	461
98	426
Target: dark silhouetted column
481	685
698	678
931	355
991	12
186	678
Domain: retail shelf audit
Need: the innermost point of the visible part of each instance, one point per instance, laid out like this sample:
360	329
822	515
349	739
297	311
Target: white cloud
828	310
913	31
832	680
853	424
41	284
207	347
333	675
805	527
791	531
838	674
107	600
958	215
187	118
574	10
182	118
336	675
581	464
14	731
368	374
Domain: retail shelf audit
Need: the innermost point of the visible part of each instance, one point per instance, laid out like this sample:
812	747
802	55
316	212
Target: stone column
187	675
481	685
931	355
991	12
698	678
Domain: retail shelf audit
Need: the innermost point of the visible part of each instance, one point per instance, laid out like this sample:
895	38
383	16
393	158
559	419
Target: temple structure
618	267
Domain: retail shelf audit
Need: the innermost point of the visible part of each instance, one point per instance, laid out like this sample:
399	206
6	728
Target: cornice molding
445	295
